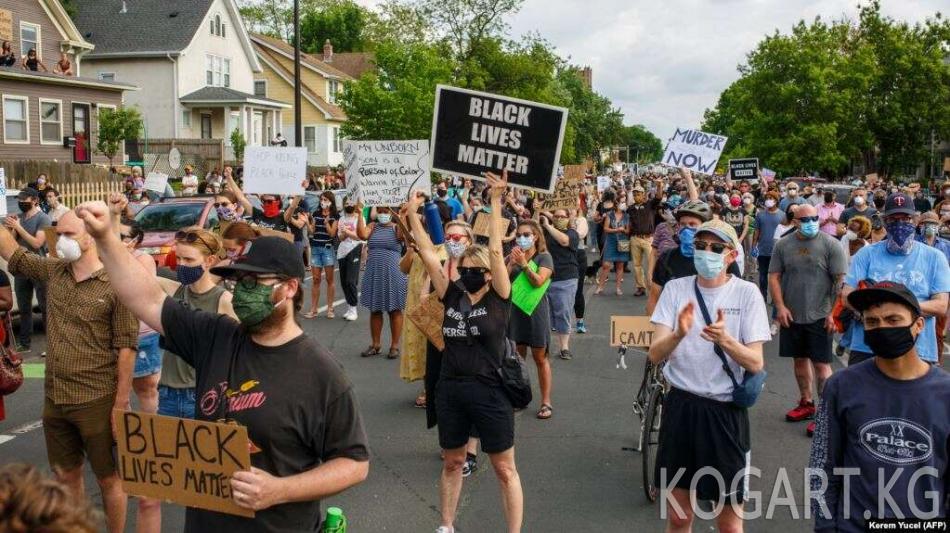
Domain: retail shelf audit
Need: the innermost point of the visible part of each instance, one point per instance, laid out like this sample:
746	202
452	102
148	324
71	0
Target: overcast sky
664	62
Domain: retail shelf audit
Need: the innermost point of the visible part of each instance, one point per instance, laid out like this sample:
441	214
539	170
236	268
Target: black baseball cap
884	291
899	204
266	255
28	192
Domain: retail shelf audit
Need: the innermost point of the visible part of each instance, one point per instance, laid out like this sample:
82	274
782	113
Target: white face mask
325	205
68	249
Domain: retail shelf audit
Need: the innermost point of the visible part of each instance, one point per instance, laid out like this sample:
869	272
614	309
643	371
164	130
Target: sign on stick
744	169
566	195
695	150
384	173
274	170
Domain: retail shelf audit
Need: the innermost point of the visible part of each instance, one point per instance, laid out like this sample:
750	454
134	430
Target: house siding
191	65
32	12
156	99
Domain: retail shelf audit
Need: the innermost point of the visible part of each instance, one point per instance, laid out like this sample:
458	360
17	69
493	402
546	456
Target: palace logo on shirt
896	441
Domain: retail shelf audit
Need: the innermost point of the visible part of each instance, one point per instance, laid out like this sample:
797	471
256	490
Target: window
209	70
16	125
107	76
186	118
30	38
310	139
333	87
260	88
235	124
223	32
217	25
227	72
217	71
51	121
337	141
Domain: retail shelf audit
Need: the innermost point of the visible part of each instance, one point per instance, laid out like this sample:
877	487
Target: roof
59	79
225	95
329	110
148	27
306	59
354	63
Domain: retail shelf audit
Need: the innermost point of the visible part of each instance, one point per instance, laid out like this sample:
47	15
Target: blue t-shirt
939	243
765	224
924	271
456	206
785	202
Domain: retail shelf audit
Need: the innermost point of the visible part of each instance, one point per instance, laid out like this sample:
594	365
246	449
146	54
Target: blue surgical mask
687	235
383	218
525	243
708	264
809	229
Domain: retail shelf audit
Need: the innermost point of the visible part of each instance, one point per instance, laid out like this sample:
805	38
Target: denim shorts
149	359
176	402
561	295
322	256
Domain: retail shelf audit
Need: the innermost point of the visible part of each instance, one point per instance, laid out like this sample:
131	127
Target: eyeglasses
808	219
251	281
715	247
529	234
456	237
471	270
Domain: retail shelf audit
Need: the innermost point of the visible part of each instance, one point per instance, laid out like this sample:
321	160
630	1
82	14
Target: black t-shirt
735	218
4	279
672	264
565	257
275	222
321	231
474	341
296	402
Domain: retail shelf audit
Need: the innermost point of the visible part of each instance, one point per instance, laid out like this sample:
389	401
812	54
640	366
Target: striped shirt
87	326
321	233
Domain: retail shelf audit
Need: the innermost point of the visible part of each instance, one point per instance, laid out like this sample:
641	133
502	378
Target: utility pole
932	142
298	119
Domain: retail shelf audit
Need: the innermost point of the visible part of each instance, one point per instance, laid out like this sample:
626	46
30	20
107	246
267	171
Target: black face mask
472	280
442	193
349	209
829	197
25	206
879	203
889	343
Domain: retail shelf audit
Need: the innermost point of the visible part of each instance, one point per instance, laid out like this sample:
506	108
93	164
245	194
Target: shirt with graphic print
894	434
297	404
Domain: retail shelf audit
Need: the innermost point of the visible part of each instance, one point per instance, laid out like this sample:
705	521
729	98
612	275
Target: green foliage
644	146
342	21
274	18
70	7
238	144
115	127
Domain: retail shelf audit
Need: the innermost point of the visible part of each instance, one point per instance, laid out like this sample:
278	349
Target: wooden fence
73	194
58	171
209	150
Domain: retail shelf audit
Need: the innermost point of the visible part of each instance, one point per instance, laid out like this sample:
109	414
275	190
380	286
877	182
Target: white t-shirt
694	366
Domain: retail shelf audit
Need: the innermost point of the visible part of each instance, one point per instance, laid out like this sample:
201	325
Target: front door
205	126
82	153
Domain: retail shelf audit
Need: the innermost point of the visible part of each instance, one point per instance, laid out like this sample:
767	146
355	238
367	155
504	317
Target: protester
319	451
858	236
829	213
189	182
384	285
562	240
766	221
29	230
859	206
791	196
886	419
56	208
928	225
227	207
90	356
6	325
702	429
942	207
322	229
32	62
349	254
580	305
30	502
616	228
642	217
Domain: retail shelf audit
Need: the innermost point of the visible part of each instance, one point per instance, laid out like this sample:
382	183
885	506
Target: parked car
161	220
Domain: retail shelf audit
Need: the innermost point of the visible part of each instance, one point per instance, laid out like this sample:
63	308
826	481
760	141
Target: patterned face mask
899	239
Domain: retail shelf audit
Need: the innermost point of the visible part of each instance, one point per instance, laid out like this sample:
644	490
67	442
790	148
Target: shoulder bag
743	394
11	366
513	372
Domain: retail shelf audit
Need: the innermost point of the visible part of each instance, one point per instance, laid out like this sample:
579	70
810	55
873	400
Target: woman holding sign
469	392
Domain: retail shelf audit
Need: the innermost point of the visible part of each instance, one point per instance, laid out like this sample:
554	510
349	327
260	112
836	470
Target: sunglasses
714	247
221	204
191	237
471	270
456	237
251	281
808	219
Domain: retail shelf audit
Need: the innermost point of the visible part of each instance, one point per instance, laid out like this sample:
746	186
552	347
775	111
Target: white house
193	60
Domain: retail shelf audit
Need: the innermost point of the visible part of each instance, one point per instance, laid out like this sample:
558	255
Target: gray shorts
561	295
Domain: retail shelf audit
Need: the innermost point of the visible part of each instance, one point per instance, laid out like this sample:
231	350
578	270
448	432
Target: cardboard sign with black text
189	462
693	149
475	132
634	331
744	169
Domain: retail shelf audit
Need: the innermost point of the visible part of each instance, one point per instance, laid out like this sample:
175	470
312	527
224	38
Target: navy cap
899	204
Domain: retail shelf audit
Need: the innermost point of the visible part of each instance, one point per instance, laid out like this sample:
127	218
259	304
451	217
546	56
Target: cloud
665	62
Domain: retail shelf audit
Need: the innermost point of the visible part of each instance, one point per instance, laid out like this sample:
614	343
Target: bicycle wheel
651	442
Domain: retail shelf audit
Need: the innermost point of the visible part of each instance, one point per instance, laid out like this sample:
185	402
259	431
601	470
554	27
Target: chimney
124	9
327	52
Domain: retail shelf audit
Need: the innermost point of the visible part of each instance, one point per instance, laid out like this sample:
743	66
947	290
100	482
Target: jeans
176	402
764	261
349	267
24	288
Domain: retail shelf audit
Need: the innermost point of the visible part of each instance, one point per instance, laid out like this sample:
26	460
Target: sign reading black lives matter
743	169
475	132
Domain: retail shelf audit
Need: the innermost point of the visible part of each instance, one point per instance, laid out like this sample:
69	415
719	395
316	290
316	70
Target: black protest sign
743	169
475	132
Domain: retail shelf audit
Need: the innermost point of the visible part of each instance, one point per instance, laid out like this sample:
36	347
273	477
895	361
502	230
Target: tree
463	24
274	18
238	144
644	145
343	22
115	127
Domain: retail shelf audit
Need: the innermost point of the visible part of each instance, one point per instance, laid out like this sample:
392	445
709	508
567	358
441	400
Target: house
48	116
193	60
321	83
353	63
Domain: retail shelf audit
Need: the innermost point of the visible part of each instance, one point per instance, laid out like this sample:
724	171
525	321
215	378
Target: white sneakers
443	529
350	314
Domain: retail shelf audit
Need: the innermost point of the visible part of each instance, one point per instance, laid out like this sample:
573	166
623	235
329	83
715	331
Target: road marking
6	438
25	428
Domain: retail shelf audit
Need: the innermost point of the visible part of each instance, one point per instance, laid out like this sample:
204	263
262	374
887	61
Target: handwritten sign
695	150
274	170
768	174
575	171
3	192
475	132
566	195
632	331
189	462
385	173
482	224
744	169
602	183
156	181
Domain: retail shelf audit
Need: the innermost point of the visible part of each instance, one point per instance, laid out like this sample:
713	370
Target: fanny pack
743	394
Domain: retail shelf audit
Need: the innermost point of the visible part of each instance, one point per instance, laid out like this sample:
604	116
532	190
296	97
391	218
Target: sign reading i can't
475	132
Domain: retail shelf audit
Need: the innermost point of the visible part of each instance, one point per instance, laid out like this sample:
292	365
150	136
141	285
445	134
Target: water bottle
335	521
434	222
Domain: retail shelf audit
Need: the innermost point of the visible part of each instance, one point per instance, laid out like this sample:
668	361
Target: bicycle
648	405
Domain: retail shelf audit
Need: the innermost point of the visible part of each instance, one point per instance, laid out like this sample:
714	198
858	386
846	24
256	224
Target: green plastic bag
525	295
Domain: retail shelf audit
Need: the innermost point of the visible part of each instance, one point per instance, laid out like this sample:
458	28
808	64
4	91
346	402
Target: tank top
176	373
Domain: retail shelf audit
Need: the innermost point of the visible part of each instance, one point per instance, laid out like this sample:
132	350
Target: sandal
330	314
370	352
421	401
309	314
545	412
393	353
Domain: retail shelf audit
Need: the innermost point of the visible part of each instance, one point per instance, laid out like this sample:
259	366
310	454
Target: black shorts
810	341
464	404
699	432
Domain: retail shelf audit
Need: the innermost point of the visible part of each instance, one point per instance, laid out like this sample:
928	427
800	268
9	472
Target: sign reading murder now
631	330
694	150
744	169
384	173
274	170
475	132
189	462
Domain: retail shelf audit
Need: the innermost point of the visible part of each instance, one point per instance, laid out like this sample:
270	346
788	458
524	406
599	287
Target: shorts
699	432
148	360
466	403
322	256
176	402
74	432
810	341
561	297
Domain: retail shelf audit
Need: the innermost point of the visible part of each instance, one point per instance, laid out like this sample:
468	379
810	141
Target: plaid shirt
87	326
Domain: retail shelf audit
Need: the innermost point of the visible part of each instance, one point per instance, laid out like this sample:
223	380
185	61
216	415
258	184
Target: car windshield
169	217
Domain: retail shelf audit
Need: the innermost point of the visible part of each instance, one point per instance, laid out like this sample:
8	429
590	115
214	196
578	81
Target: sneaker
470	466
810	429
350	314
581	326
566	355
773	329
804	411
443	529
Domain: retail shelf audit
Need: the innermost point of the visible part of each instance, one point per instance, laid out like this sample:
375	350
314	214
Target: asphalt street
578	470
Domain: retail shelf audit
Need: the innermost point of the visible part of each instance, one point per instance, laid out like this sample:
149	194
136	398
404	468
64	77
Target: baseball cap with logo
266	255
722	230
883	291
899	204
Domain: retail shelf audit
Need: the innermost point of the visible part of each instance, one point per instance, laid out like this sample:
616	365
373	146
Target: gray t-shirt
809	268
765	224
176	373
694	366
34	225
